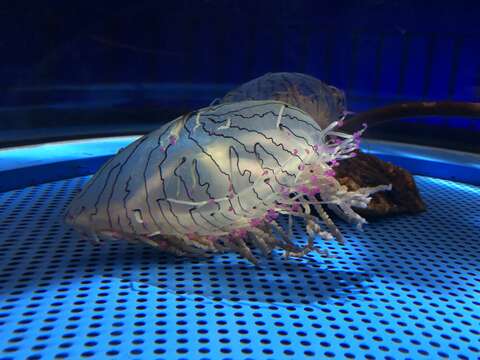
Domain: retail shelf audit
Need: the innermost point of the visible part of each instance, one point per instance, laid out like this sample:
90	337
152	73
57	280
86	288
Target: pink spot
315	147
301	167
191	236
303	189
295	152
270	215
162	148
285	191
173	139
265	172
330	172
255	221
334	163
230	187
307	151
230	209
340	123
314	190
313	178
296	207
211	201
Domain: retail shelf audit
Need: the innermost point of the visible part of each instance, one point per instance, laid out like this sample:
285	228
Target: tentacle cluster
304	180
315	179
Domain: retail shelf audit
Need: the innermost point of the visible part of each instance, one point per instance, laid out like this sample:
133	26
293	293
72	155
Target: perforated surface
408	287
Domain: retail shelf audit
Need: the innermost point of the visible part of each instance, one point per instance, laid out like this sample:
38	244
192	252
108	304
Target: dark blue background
128	59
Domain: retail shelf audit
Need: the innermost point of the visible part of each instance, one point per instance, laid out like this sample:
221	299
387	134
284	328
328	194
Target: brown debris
367	170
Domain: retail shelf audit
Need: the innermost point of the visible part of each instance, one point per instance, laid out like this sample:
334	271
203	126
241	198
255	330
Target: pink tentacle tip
340	123
303	189
314	178
239	233
230	209
334	163
315	147
301	167
211	201
191	236
255	222
265	172
271	215
296	207
330	172
173	139
357	134
295	151
162	149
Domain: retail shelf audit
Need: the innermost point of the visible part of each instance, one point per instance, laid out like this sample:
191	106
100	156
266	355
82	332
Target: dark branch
412	109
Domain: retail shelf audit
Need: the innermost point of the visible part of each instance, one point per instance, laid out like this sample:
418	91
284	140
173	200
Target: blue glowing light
29	165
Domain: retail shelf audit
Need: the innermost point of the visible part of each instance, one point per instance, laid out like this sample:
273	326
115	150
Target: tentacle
287	244
93	238
201	242
330	224
188	250
237	244
269	237
220	246
310	242
290	226
347	214
161	242
256	236
275	226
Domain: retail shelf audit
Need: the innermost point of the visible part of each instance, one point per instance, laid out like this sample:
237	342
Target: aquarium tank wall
73	70
239	179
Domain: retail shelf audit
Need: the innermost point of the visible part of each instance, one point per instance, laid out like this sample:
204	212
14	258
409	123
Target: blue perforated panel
408	287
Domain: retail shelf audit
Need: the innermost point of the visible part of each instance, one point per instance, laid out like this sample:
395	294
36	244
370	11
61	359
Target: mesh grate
407	287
